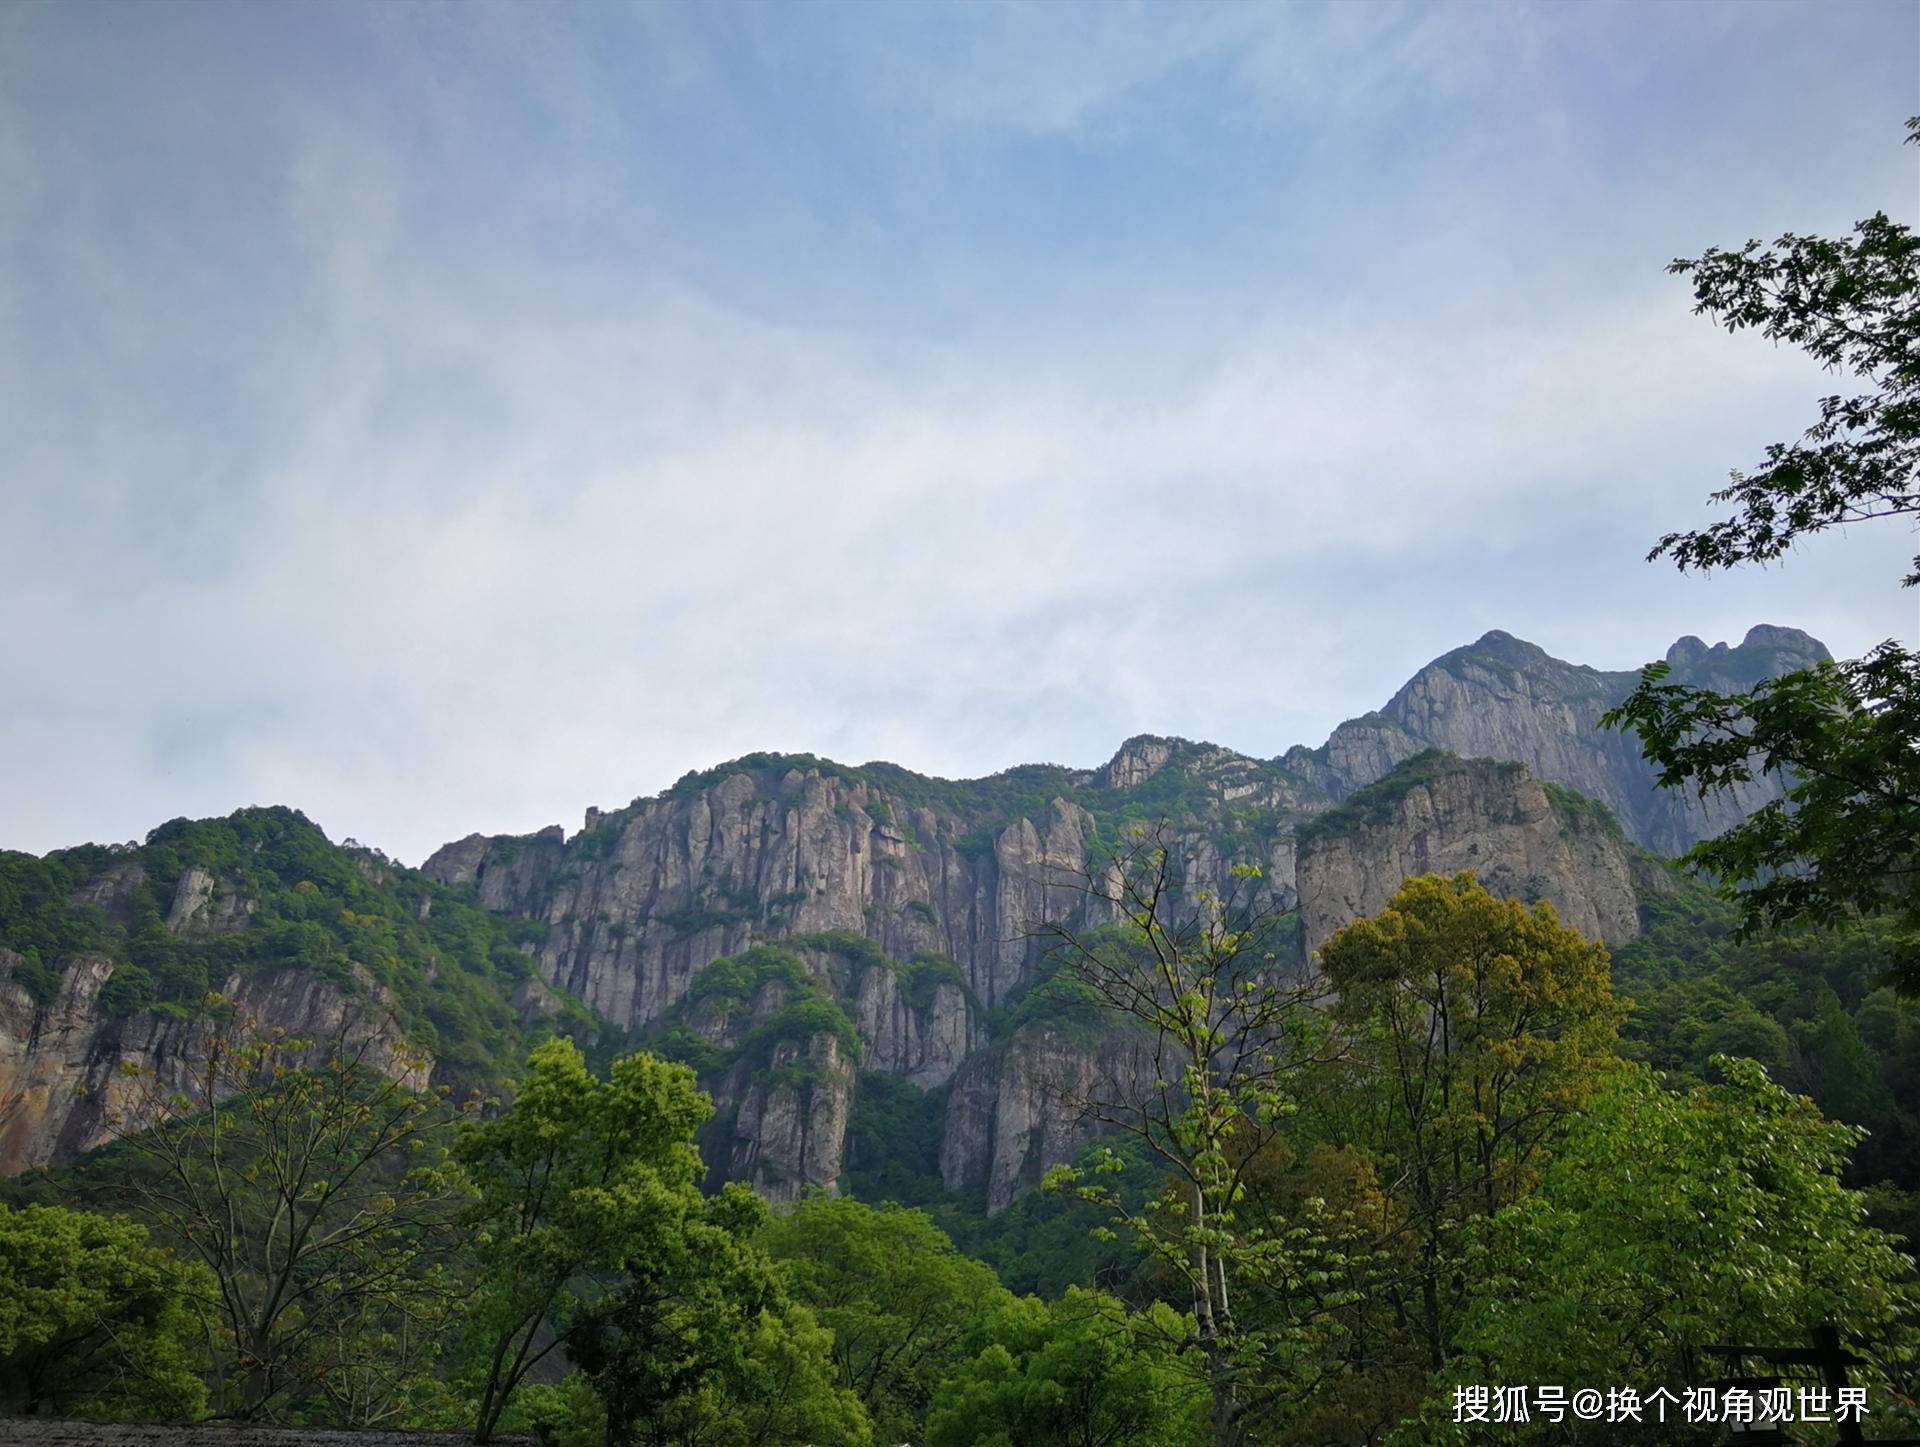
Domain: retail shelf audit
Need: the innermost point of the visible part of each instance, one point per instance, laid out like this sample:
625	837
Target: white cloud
514	531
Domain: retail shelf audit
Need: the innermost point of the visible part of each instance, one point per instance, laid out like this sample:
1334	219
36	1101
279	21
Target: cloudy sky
445	418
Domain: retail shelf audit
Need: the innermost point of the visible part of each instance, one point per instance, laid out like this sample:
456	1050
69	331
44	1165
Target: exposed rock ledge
1440	815
67	1074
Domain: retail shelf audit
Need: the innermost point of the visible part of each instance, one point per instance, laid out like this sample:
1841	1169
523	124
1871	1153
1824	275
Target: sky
446	417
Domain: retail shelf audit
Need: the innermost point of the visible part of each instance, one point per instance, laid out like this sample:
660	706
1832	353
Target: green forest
1604	1162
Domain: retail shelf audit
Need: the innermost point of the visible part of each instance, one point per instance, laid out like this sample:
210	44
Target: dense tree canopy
95	1320
898	1298
1670	1219
1479	1026
571	1182
1082	1371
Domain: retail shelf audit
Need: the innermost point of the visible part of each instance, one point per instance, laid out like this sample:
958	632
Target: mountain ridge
1343	762
877	927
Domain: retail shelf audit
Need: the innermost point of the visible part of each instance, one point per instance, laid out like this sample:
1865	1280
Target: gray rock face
1137	761
783	1111
657	891
68	1074
503	869
1502	698
1019	1109
1494	819
645	896
786	1119
202	902
922	1047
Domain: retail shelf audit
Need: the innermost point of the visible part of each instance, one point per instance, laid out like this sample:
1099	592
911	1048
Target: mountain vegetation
1558	1178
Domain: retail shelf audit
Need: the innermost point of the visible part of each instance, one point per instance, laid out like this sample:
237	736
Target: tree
784	1391
304	1175
1227	1026
1082	1371
593	1237
899	1300
95	1320
1843	735
1669	1219
1479	1026
570	1180
697	1341
1840	843
1358	1366
1854	306
1848	1084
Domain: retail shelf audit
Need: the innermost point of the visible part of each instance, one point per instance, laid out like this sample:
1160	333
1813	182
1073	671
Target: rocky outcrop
924	1041
504	869
1137	761
1020	1108
201	901
785	1119
1438	815
70	1078
655	892
1503	698
792	1028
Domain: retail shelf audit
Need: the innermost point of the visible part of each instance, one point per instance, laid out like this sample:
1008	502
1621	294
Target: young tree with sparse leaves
306	1176
1227	1027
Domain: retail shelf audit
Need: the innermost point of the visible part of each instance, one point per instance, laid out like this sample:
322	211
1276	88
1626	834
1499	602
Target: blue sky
446	417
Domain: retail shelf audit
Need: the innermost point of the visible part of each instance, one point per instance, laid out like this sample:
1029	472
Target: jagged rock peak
1687	651
1504	698
1768	649
1139	759
1498	643
1775	635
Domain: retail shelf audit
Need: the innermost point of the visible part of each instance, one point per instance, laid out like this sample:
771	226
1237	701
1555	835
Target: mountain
106	952
845	954
1503	698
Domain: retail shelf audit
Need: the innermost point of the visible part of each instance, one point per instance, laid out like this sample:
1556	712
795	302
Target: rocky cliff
72	1076
1439	814
1009	1109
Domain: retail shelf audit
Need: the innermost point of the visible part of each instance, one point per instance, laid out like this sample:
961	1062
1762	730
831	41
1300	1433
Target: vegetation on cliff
273	893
